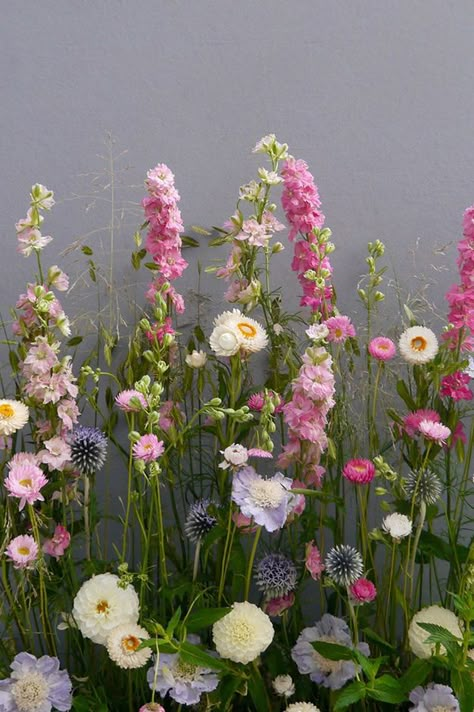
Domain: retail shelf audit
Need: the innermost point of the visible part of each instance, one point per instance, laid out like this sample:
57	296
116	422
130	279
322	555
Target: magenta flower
340	328
131	401
359	471
411	422
59	542
313	561
25	483
148	448
455	386
382	348
300	198
23	551
460	297
434	431
362	591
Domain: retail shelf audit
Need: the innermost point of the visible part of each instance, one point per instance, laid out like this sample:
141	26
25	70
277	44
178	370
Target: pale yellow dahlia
438	616
243	633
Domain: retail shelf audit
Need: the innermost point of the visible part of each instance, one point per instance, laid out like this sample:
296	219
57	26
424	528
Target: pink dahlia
25	483
455	386
411	422
382	348
313	561
359	471
340	328
60	541
148	448
362	591
22	550
131	401
434	431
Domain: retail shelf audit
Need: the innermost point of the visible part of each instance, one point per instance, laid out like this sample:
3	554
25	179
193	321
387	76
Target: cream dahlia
418	345
123	643
243	633
438	616
302	707
13	416
101	605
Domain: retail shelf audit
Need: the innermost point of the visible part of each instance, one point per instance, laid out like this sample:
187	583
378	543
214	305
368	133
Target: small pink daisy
359	471
411	422
22	550
382	348
25	483
148	448
313	561
434	431
340	328
124	401
257	452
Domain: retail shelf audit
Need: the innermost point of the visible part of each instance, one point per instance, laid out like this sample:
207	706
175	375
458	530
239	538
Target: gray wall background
377	96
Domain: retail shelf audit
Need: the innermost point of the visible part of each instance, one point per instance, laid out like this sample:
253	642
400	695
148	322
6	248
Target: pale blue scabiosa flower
199	522
433	698
265	500
184	682
36	685
329	673
88	449
275	575
344	565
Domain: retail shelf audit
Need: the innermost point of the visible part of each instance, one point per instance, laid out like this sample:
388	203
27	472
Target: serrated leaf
349	695
176	617
387	689
438	634
415	675
463	686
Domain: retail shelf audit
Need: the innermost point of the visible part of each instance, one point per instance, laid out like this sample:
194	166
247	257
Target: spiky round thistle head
344	565
199	522
423	486
275	575
88	449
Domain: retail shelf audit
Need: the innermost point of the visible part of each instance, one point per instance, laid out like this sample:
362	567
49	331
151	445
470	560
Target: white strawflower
101	605
234	331
302	707
13	416
234	456
284	685
243	633
438	616
397	525
418	345
123	643
224	341
196	359
317	332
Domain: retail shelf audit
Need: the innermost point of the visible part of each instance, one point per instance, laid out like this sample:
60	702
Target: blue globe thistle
276	575
199	522
344	565
424	487
88	449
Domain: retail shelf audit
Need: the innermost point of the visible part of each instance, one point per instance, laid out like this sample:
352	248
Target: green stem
248	577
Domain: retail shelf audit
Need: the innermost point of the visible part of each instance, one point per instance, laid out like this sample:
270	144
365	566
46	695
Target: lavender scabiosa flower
265	500
433	698
344	565
88	449
199	522
329	673
423	486
36	685
184	682
276	575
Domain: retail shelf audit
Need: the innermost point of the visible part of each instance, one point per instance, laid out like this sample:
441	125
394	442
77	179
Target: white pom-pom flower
243	634
13	416
302	707
438	616
397	525
418	345
123	643
284	685
101	605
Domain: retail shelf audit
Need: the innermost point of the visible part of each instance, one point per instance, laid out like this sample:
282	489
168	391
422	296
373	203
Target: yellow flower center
6	411
241	632
23	550
184	671
26	483
266	494
338	332
247	330
419	343
130	643
102	607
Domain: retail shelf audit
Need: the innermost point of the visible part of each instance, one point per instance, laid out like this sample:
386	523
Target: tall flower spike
88	449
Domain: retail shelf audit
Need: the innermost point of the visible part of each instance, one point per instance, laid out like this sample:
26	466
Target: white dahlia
418	345
302	707
243	633
13	416
123	643
438	616
101	605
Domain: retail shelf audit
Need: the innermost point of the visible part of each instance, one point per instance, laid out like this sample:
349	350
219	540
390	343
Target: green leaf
415	675
199	334
176	617
204	618
374	638
189	241
438	634
74	341
436	547
349	695
258	691
405	395
387	689
152	266
87	250
463	685
193	655
333	651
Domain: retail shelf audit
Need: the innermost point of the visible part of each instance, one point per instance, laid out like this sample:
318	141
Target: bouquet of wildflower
292	526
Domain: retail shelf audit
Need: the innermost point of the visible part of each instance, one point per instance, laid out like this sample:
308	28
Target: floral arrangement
293	526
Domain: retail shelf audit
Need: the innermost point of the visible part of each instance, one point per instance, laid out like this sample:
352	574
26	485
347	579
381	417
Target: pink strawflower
22	458
313	561
57	453
152	707
411	422
25	483
359	471
148	448
340	328
362	591
131	401
258	452
455	386
434	431
23	551
382	348
59	542
257	401
277	606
